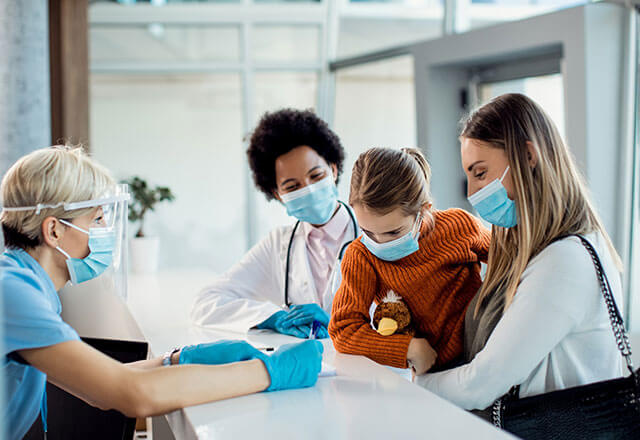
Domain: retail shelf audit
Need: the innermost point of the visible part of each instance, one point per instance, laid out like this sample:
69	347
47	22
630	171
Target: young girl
430	258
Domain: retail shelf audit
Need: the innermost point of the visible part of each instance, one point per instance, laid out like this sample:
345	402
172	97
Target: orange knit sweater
437	282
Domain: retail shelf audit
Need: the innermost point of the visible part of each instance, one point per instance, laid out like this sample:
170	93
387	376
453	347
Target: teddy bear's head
392	315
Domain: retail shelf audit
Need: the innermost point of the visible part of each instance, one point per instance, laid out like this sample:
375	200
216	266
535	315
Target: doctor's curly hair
280	132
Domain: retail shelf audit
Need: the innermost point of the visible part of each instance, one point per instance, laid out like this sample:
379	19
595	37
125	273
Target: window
285	43
374	107
275	90
183	131
155	43
366	26
546	90
634	268
174	92
479	13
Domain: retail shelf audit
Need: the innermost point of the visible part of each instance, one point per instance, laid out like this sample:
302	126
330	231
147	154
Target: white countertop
364	400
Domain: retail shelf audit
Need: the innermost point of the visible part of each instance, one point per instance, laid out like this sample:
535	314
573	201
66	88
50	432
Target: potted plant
143	249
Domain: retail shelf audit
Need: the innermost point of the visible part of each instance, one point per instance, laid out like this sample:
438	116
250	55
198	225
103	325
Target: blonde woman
56	230
539	320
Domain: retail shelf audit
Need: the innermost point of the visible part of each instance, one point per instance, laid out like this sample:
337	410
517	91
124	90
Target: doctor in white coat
286	282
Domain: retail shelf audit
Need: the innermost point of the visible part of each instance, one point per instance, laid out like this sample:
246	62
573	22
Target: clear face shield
97	307
107	259
105	268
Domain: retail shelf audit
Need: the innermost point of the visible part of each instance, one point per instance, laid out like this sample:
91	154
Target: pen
314	329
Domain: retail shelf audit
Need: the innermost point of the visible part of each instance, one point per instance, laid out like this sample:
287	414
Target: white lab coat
253	289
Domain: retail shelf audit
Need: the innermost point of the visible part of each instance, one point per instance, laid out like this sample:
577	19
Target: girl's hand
420	355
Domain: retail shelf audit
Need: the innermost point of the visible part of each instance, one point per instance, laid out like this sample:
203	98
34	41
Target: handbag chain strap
617	324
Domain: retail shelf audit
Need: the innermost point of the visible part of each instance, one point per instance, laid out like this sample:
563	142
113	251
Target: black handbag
603	410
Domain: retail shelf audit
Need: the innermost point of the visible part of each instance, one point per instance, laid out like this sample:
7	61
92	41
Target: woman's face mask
487	191
493	204
306	185
313	203
101	245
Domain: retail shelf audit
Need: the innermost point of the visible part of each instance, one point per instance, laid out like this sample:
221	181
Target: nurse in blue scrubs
59	219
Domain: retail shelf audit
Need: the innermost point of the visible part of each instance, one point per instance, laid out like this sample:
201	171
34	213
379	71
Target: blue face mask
398	248
493	204
101	244
314	203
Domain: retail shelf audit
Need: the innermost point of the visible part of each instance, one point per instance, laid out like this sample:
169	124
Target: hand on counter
216	353
420	355
294	365
278	322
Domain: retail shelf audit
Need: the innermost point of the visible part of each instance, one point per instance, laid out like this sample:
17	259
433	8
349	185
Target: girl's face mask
396	249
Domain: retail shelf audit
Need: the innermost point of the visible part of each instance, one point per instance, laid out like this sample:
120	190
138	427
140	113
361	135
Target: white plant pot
143	254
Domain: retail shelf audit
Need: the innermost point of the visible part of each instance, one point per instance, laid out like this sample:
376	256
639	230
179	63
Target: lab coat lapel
301	277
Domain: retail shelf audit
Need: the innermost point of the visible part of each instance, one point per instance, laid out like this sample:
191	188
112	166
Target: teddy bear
392	316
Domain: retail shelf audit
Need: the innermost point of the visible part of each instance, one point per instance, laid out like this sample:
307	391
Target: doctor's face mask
306	185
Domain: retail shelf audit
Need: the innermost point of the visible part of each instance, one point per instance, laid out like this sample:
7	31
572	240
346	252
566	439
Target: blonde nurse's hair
48	176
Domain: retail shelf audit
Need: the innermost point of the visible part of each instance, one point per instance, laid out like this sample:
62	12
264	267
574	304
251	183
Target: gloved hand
220	352
294	365
322	332
276	322
305	314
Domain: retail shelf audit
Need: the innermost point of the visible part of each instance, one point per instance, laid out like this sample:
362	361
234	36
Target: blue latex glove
276	322
305	314
221	352
294	365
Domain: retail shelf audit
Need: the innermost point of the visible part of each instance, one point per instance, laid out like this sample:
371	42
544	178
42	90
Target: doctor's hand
294	365
276	322
220	352
420	356
307	313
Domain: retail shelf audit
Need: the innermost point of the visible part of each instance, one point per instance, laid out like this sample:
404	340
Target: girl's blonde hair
48	176
384	179
552	199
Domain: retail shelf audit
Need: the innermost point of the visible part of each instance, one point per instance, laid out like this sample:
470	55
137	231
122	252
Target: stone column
25	106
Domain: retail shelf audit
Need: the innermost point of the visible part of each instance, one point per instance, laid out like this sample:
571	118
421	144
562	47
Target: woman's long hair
552	198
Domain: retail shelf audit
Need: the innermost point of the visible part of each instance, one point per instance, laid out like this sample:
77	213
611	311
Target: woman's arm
155	362
141	392
244	296
551	300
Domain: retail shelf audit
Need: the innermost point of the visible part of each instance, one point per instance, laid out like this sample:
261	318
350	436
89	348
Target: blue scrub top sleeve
29	318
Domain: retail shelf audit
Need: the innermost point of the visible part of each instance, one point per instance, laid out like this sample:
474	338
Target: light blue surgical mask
398	248
314	203
494	205
101	244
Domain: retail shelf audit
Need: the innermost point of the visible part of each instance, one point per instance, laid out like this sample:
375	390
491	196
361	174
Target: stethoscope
340	254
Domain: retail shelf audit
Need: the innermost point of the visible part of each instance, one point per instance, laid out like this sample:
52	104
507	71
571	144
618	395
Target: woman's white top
556	334
253	289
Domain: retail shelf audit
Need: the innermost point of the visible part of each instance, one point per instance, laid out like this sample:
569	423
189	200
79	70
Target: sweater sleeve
481	239
550	302
350	327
